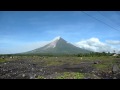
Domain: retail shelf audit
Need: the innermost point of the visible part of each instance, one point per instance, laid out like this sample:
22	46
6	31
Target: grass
101	66
102	58
66	75
2	60
106	66
40	77
53	61
71	75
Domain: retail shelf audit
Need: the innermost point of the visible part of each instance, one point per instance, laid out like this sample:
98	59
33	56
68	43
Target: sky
22	31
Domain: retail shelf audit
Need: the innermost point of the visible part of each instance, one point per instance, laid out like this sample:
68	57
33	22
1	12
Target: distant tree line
93	54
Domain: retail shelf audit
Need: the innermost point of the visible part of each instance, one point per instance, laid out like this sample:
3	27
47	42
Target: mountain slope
59	46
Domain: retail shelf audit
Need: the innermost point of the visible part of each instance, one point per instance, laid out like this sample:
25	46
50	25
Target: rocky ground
30	69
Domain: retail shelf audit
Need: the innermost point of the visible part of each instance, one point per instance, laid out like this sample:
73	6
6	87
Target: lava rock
115	68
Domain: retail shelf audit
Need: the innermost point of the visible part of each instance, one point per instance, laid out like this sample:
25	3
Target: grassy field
70	67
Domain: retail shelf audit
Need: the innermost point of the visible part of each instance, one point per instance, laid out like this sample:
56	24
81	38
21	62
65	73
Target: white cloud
94	44
113	42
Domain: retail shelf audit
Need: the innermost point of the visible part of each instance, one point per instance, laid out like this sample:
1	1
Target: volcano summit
58	46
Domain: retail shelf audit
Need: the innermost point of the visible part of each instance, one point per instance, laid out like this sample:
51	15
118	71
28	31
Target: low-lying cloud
94	44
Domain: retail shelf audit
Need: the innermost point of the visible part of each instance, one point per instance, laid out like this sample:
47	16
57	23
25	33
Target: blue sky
26	30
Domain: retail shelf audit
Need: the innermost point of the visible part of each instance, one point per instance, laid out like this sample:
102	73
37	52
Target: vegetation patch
53	62
71	75
40	77
2	60
102	66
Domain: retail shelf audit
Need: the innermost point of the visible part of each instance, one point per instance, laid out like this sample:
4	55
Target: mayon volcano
58	46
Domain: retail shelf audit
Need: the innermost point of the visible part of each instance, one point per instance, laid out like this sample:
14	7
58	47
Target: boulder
96	62
115	68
